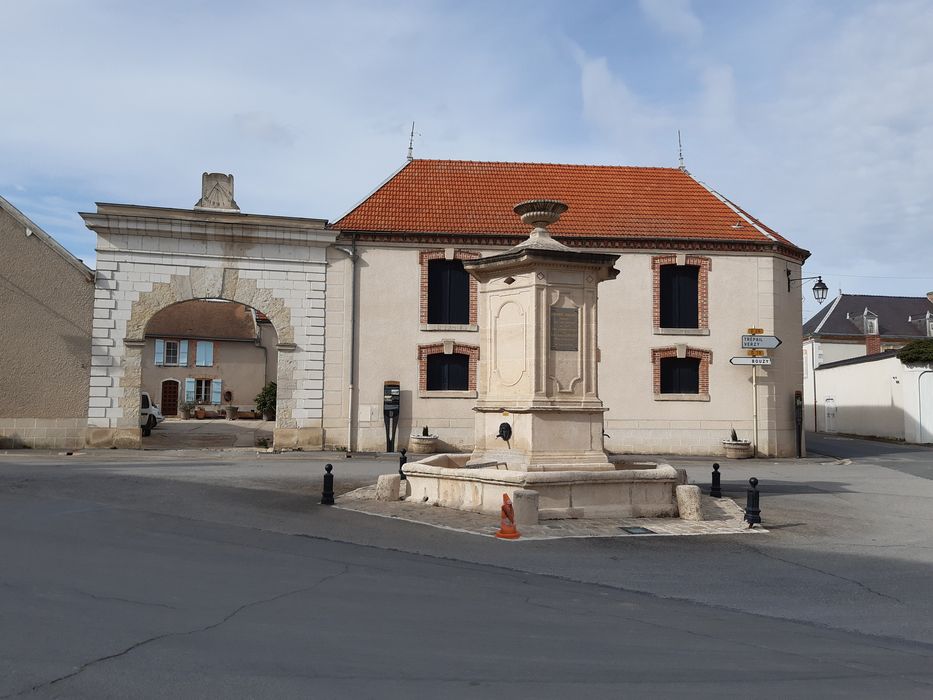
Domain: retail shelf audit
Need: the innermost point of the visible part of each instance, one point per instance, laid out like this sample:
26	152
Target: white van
149	414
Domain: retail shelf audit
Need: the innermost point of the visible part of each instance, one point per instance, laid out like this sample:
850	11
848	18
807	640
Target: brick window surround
704	356
424	257
447	347
704	264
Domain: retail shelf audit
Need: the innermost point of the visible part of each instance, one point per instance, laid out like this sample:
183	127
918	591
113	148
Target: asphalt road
909	459
217	575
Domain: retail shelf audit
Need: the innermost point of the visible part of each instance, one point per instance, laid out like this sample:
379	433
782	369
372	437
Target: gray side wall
46	306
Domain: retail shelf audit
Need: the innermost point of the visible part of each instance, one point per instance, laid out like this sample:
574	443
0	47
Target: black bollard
752	510
716	489
327	495
401	463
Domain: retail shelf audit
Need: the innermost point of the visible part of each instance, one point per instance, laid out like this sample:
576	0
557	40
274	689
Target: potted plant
186	407
199	412
423	444
265	401
737	449
231	411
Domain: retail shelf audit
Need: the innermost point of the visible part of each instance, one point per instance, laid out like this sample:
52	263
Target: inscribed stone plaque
564	329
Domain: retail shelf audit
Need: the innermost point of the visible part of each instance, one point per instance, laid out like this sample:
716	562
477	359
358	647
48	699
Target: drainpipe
816	426
352	255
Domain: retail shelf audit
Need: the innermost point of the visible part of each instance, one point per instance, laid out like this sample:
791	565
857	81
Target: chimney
872	344
217	193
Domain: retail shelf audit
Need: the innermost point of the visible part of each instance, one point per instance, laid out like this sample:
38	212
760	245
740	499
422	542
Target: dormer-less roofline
33	229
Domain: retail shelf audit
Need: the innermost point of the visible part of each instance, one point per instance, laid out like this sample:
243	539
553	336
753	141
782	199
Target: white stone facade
745	290
150	258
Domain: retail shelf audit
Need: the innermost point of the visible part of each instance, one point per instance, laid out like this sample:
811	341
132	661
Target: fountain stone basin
444	480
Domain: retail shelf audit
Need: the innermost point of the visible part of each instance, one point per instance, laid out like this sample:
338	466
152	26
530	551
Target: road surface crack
185	633
861	585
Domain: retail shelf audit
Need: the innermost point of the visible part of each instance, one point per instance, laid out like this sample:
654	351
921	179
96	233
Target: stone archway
213	283
150	258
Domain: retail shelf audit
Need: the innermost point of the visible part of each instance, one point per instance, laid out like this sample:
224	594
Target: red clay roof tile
476	198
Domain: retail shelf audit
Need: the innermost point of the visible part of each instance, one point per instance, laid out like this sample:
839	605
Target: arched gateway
149	258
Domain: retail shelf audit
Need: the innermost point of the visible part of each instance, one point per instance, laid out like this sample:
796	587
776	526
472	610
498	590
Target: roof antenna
411	143
680	152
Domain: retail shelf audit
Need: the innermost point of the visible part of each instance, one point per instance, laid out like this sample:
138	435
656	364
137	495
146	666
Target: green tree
916	353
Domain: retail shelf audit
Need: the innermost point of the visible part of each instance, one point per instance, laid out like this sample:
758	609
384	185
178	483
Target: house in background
854	326
696	272
45	316
212	353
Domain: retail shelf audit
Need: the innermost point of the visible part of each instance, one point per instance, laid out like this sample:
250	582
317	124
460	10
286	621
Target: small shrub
916	353
265	399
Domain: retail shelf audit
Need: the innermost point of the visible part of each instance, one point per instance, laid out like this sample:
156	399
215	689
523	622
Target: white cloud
674	17
628	121
817	122
717	101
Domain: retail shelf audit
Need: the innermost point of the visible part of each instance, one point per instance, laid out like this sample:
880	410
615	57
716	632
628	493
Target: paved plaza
217	573
721	516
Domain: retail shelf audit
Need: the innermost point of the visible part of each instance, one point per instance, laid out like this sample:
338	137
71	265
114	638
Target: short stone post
752	509
525	503
327	494
715	490
688	502
387	487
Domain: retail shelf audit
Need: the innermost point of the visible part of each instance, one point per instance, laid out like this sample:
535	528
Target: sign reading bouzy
565	332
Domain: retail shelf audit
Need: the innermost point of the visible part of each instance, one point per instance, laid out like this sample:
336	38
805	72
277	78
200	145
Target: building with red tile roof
608	206
697	271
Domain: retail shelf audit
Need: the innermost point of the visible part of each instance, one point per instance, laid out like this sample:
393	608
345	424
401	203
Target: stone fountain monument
539	419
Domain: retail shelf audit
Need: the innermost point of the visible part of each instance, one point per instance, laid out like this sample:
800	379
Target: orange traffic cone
507	529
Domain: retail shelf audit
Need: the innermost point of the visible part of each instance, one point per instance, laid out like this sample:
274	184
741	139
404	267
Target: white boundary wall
876	398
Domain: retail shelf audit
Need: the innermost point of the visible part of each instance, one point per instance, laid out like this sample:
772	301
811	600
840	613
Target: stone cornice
230	227
208	215
640	244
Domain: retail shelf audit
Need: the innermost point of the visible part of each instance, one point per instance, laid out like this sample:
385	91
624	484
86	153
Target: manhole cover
637	530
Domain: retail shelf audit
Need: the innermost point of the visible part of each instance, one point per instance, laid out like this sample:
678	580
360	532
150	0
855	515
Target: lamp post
820	290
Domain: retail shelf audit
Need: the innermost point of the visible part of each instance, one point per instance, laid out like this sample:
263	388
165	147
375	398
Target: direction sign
756	331
750	360
760	341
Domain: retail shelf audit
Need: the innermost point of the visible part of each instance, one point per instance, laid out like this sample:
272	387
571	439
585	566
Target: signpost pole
755	408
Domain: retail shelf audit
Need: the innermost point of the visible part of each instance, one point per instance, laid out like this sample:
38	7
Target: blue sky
816	117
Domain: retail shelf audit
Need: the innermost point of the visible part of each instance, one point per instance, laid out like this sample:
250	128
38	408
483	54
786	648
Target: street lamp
820	290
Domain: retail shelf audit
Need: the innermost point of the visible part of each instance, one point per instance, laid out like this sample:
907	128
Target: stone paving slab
721	516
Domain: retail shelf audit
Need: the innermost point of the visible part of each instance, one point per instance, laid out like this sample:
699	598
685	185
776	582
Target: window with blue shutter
202	391
189	390
205	354
215	391
183	353
171	353
160	352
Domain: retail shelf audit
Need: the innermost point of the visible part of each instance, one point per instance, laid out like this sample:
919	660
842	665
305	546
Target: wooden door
169	398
